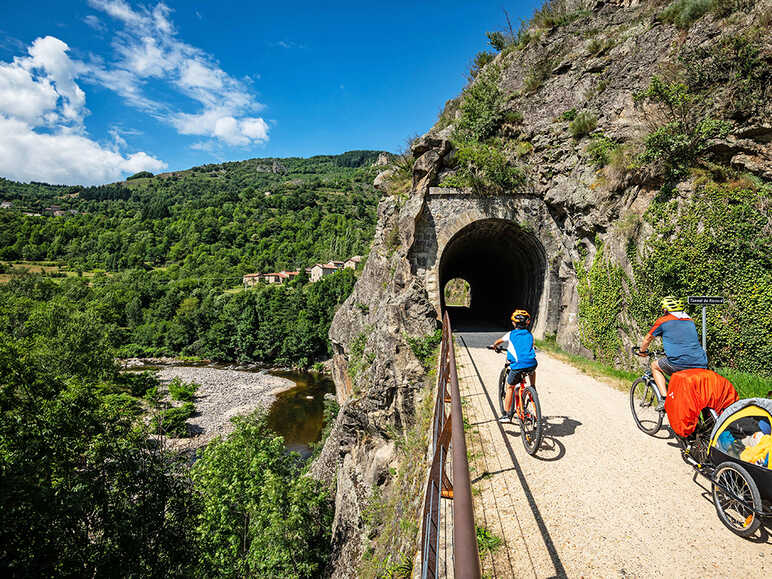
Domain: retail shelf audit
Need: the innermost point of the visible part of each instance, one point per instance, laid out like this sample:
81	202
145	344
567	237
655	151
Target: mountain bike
527	407
645	397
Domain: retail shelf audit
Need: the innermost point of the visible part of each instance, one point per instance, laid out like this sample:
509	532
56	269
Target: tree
260	517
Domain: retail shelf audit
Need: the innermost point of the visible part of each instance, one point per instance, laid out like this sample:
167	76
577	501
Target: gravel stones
222	395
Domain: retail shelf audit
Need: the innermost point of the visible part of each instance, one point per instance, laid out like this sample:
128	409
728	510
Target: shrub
723	8
600	150
584	123
538	73
683	13
523	148
734	70
479	62
172	421
568	115
485	168
498	40
513	117
179	390
678	143
481	107
137	383
424	348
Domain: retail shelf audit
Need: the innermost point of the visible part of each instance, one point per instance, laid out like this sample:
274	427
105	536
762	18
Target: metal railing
448	436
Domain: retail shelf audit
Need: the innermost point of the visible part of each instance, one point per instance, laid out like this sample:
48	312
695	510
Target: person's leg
659	377
532	378
508	401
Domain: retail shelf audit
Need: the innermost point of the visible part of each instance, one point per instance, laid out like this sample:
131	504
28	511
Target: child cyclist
520	355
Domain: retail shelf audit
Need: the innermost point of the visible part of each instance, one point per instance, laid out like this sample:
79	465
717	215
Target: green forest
164	255
153	266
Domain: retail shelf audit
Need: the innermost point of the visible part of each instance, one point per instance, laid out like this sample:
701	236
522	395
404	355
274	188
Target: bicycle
645	397
527	407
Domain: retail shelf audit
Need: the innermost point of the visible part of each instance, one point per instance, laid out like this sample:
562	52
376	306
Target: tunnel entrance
504	266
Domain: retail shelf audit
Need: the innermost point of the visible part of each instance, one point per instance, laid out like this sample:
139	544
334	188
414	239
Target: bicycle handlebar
497	349
650	353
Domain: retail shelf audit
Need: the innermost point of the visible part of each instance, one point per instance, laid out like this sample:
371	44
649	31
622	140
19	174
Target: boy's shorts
513	376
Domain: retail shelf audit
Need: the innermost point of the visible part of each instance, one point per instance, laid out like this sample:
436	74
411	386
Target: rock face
541	230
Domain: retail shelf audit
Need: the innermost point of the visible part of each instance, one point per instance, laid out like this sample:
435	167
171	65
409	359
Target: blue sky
94	90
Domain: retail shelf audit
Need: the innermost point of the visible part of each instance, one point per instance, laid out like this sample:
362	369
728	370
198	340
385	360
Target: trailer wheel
736	498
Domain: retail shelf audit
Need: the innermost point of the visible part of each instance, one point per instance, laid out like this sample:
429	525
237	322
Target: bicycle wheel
735	506
502	390
643	404
531	428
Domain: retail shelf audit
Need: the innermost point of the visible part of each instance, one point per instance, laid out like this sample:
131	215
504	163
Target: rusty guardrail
449	429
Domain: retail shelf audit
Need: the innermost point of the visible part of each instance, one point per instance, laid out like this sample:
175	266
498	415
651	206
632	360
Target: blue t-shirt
680	340
520	352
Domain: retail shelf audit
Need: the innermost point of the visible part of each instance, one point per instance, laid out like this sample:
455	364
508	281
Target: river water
298	413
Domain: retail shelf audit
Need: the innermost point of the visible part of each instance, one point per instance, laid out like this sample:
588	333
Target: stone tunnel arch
505	267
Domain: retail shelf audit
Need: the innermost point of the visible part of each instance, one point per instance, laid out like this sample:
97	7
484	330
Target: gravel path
601	499
223	394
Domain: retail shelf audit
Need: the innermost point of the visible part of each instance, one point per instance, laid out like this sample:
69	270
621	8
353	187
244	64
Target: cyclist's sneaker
661	406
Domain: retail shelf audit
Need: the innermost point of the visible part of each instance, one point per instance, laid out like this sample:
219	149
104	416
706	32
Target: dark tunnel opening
504	266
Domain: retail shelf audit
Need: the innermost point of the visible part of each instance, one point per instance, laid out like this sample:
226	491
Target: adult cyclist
520	355
680	341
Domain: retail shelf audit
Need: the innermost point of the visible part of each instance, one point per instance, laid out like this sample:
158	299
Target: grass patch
583	124
619	378
486	540
748	385
683	13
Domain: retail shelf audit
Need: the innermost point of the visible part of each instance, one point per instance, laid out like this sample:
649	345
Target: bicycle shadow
555	427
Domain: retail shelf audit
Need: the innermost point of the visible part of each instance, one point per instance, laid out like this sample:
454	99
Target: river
298	413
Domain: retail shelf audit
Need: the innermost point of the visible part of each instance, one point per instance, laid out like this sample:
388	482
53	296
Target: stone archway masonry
447	211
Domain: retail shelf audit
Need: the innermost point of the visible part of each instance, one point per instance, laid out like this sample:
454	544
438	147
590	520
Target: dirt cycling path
602	499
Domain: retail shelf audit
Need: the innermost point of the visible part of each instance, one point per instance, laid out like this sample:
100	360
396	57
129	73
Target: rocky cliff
586	140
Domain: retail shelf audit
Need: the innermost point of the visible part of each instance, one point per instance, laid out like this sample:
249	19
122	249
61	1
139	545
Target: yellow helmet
521	316
672	304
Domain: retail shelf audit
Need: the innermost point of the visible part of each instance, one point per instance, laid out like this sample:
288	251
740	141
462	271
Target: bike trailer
742	435
689	391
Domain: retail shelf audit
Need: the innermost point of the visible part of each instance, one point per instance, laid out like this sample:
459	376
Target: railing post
466	559
449	431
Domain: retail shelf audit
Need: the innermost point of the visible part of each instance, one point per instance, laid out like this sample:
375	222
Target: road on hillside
601	498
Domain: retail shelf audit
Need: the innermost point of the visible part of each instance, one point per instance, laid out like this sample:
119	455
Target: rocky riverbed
222	395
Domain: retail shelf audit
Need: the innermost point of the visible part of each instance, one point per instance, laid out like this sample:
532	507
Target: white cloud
40	88
42	135
95	23
221	125
148	49
27	155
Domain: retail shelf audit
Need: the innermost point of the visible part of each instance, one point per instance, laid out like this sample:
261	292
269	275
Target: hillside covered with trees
161	254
